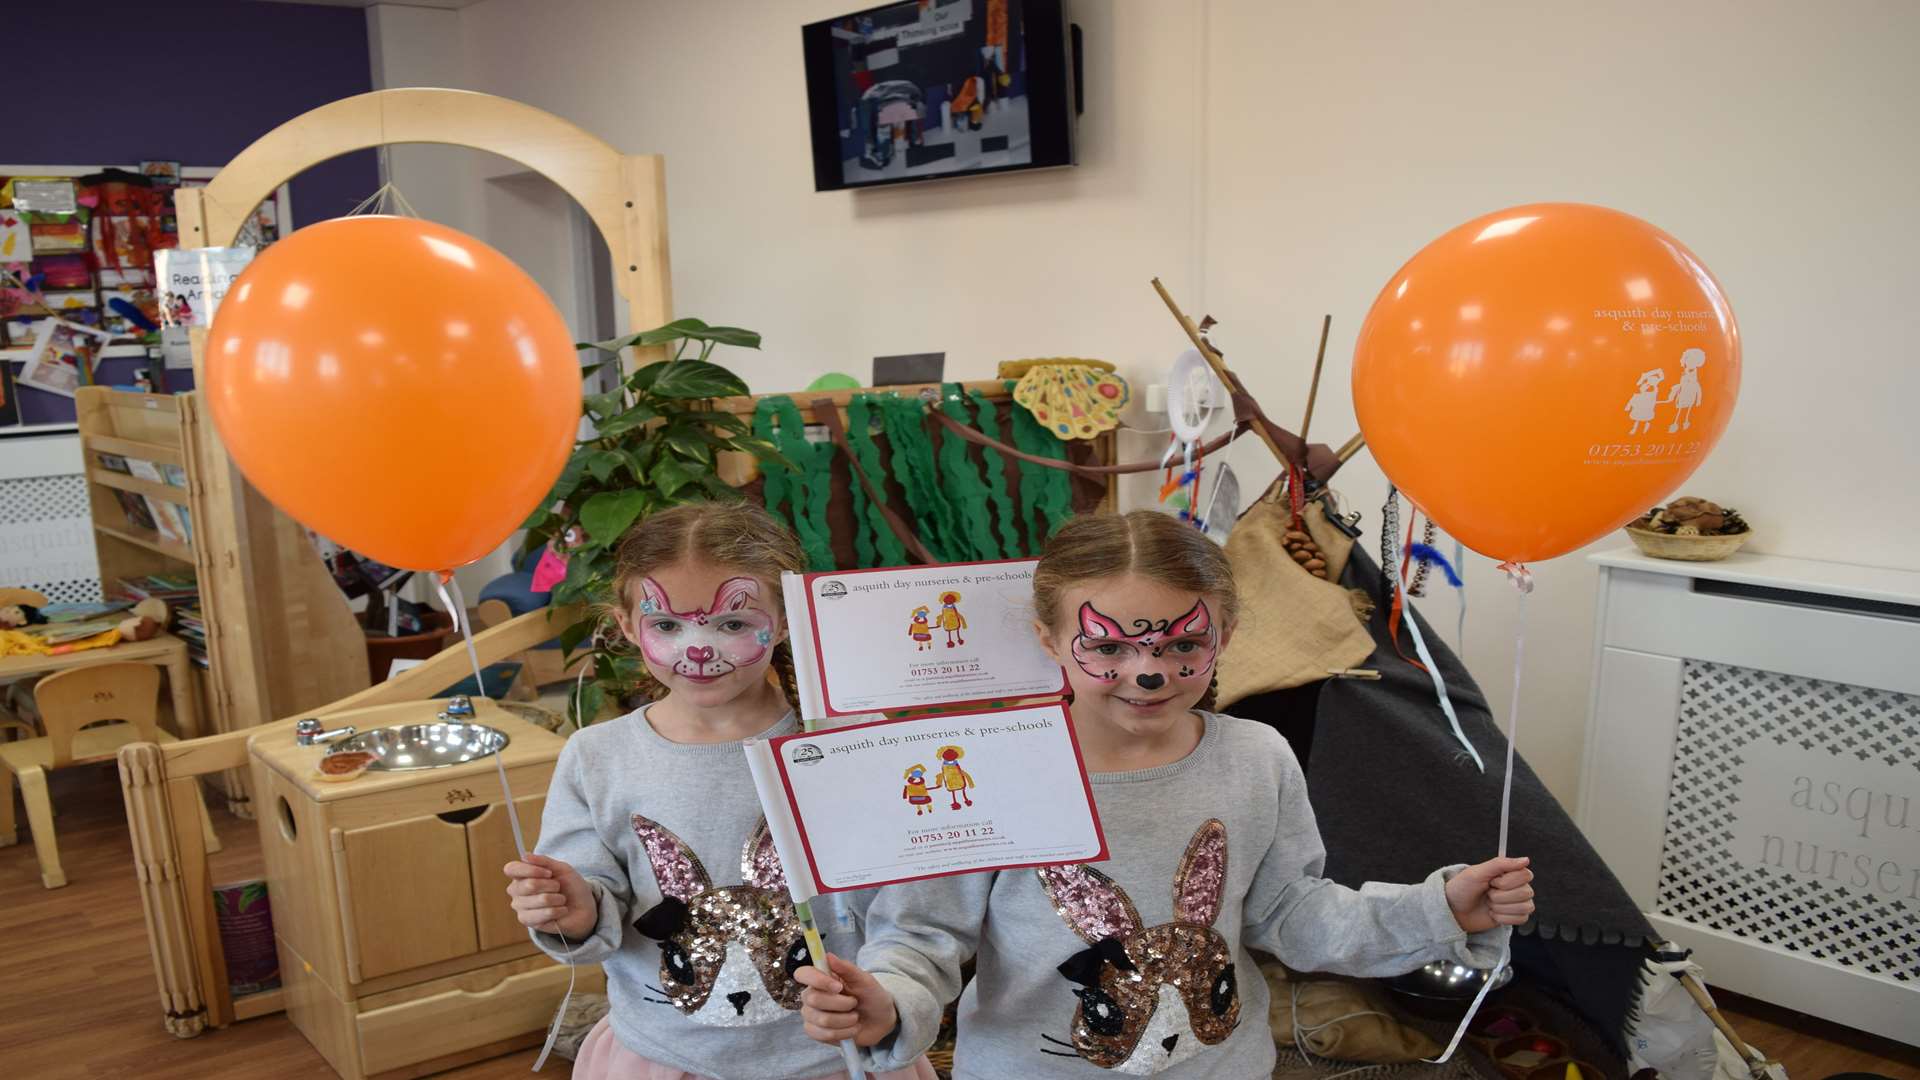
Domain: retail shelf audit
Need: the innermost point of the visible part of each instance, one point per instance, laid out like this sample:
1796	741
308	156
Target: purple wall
115	82
193	81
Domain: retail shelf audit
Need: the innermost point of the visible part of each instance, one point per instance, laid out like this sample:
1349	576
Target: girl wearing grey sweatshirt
654	860
1140	965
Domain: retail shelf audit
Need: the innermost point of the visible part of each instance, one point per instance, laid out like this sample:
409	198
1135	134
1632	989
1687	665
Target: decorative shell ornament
1072	398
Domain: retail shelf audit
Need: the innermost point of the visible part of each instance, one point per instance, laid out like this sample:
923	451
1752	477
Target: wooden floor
77	991
1814	1049
78	999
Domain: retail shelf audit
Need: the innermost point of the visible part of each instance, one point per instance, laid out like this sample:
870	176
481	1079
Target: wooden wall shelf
252	563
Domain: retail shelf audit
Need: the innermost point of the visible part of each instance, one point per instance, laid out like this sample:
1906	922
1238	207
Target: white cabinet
1752	774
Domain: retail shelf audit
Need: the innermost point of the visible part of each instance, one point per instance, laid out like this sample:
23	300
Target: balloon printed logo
1540	376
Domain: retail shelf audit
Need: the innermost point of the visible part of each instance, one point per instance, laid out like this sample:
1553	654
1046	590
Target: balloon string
1460	627
1522	580
456	605
1439	682
1513	706
387	193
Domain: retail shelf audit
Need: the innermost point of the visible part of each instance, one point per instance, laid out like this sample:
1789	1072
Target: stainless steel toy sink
423	746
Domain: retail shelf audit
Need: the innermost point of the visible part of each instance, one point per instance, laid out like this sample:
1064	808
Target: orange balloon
1541	376
395	385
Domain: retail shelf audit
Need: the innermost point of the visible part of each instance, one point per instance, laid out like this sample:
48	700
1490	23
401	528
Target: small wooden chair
538	666
124	700
13	725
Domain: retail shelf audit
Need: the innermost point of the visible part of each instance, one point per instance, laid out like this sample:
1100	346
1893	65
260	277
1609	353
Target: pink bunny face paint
1148	653
705	644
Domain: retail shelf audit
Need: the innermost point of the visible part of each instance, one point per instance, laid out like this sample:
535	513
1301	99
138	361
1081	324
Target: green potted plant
655	444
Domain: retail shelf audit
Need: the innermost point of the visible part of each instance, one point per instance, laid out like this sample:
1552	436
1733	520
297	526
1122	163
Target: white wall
1274	161
522	213
1776	139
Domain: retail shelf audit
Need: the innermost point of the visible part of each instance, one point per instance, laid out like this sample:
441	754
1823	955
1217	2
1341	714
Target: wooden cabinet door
490	847
406	894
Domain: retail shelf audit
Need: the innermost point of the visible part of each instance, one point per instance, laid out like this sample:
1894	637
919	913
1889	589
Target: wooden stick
1756	1063
1350	447
1313	389
1220	370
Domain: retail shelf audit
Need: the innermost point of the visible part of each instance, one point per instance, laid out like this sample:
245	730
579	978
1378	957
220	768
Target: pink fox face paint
1148	653
708	643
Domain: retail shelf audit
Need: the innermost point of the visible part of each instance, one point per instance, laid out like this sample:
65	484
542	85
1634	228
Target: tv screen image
930	88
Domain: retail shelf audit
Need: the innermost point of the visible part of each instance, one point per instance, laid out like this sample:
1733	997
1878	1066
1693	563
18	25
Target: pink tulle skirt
603	1058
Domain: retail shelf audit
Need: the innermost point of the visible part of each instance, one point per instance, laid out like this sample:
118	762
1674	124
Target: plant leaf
672	474
569	479
719	488
572	636
659	335
602	463
698	379
729	335
758	447
641	381
607	405
691	447
607	515
640	459
638	416
725	421
764	452
588	704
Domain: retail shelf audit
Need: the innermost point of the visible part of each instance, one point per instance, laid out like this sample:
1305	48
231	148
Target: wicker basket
1687	548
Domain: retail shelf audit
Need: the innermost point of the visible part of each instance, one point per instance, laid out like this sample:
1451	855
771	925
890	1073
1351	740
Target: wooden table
163	650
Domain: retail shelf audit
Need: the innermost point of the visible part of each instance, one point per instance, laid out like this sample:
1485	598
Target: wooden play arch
242	586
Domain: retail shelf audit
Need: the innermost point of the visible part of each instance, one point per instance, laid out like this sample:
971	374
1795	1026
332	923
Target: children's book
139	511
170	520
957	752
61	613
61	633
9	400
193	281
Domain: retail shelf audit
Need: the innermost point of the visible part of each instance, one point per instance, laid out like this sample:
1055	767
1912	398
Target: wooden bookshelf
280	637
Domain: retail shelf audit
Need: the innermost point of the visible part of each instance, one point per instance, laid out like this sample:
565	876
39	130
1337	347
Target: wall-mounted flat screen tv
930	89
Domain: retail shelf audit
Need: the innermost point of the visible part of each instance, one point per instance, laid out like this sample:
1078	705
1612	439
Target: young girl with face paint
654	860
1139	965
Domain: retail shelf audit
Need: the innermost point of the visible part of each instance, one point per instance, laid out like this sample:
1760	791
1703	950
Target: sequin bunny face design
1181	649
1151	997
705	644
727	955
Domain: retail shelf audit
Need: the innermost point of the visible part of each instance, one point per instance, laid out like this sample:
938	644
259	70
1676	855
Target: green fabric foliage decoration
996	469
804	492
958	475
1043	491
863	548
884	545
933	517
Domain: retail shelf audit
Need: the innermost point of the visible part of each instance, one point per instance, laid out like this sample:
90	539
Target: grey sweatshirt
696	932
1139	964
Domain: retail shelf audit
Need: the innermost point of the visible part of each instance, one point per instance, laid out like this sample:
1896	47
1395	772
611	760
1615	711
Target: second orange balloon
1542	375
